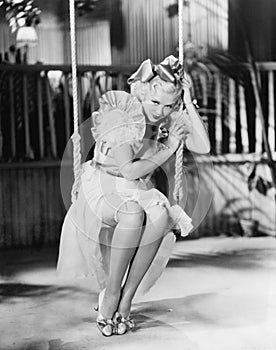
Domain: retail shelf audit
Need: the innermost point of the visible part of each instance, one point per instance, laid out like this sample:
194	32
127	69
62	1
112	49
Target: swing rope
76	136
178	190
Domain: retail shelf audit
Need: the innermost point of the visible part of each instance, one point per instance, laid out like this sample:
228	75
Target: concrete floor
216	293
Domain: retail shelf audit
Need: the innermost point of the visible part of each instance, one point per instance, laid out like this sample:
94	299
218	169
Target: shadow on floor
164	319
11	290
241	259
208	309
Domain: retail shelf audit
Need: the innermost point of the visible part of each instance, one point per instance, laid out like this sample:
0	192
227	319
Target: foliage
84	6
255	181
20	13
229	65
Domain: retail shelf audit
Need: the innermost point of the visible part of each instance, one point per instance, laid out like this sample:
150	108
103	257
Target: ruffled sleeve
119	120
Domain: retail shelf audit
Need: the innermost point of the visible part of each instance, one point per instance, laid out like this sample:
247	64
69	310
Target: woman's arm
132	170
197	140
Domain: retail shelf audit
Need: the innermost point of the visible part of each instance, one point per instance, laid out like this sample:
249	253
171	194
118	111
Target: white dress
85	239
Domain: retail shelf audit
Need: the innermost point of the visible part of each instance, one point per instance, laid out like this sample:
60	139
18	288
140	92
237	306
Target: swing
178	191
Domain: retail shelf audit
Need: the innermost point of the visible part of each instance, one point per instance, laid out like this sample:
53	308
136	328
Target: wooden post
92	93
26	118
13	139
258	124
120	81
80	111
40	117
66	108
232	116
51	118
244	126
271	111
218	124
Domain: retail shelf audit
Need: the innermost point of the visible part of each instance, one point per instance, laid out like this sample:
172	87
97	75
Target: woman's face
159	104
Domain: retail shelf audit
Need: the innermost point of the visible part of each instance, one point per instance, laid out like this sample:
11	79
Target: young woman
120	227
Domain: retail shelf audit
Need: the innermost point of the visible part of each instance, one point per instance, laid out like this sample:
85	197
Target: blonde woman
120	228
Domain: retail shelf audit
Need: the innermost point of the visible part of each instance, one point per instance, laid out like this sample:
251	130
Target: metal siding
151	33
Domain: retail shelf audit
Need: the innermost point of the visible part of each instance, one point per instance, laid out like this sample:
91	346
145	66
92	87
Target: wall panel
150	32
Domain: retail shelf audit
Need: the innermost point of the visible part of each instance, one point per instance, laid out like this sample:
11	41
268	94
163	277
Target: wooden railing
36	108
33	201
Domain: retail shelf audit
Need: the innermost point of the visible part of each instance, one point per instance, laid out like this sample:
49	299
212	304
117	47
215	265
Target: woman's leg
156	225
126	238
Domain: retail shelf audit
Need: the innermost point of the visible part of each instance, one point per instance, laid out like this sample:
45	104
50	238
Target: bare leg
126	238
149	244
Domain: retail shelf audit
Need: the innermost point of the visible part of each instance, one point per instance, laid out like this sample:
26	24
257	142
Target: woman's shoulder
119	100
120	118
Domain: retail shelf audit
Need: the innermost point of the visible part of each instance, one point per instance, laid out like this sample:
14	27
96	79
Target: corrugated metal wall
31	209
150	32
93	43
92	40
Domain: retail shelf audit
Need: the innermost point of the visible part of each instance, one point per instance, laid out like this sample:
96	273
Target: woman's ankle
125	304
109	304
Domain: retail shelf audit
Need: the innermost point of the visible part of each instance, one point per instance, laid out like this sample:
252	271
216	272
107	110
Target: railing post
271	111
11	94
92	92
120	82
28	151
218	114
67	111
51	117
40	117
243	119
258	125
232	115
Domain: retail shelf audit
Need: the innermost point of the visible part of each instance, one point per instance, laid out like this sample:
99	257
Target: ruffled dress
85	239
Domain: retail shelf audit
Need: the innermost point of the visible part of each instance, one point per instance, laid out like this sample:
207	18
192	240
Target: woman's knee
157	220
131	213
158	214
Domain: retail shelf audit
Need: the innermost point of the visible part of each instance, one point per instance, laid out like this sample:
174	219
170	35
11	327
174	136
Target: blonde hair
139	89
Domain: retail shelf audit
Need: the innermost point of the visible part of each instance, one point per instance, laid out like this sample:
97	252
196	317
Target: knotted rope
178	190
76	136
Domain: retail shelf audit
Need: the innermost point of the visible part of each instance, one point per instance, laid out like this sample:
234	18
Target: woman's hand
186	86
177	133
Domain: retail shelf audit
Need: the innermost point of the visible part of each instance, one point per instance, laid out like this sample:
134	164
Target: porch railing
36	108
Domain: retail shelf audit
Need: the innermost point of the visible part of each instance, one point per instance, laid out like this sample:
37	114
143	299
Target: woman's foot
123	324
122	317
105	326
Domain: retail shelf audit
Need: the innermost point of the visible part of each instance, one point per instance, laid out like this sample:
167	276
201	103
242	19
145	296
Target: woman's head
158	97
158	87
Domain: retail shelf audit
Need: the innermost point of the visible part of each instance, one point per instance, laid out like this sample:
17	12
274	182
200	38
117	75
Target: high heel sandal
123	324
105	326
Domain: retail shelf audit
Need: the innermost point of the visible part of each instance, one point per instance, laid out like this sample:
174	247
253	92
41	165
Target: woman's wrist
191	103
188	103
166	150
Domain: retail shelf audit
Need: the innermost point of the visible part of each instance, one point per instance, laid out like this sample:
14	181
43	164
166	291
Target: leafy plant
20	13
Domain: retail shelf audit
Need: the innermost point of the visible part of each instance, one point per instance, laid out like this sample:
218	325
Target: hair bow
169	70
